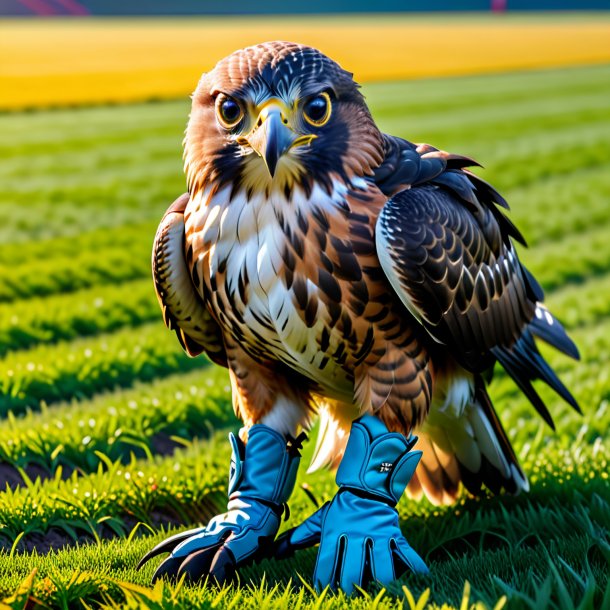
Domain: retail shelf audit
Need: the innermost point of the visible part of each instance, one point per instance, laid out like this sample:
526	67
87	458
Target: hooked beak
272	137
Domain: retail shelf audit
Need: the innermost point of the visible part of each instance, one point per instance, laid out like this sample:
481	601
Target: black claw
167	546
197	565
168	568
223	568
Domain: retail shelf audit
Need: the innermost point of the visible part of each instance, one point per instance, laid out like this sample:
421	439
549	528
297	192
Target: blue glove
358	531
262	478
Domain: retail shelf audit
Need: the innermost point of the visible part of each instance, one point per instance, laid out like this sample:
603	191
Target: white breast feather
251	239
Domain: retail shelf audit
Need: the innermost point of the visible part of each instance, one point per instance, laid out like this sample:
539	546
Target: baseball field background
110	436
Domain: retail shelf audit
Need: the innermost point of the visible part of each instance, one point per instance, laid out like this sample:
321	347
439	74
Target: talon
282	547
167	568
223	566
166	546
197	564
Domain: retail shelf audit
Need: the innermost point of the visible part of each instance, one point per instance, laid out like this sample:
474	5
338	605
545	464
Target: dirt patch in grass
11	476
163	444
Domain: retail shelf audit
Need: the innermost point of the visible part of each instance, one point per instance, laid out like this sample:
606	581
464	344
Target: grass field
110	436
76	61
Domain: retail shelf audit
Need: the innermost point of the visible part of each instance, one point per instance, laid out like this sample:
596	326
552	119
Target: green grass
29	322
115	425
83	367
110	436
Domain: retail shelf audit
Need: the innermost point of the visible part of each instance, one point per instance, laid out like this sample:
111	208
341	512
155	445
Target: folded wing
183	310
455	273
447	249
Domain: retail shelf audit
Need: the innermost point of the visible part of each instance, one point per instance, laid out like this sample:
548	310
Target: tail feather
468	445
548	328
437	475
524	363
335	419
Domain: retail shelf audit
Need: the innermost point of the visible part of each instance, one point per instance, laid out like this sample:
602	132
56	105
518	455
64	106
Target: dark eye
229	111
317	110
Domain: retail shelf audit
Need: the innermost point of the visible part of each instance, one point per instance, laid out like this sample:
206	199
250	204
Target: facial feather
348	145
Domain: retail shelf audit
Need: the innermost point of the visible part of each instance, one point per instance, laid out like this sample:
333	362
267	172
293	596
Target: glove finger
168	545
352	569
328	563
302	536
411	560
381	561
197	565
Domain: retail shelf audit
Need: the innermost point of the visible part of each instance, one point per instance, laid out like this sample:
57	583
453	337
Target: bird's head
275	116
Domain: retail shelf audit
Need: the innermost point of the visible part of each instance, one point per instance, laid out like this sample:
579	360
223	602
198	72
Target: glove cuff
266	467
376	461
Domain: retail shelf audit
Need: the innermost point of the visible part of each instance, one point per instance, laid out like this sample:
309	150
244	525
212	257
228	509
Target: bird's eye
229	111
317	110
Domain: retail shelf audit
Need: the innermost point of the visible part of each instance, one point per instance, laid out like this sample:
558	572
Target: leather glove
261	480
358	531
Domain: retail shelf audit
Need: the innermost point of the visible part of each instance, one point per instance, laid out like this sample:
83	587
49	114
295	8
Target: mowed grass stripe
14	254
448	96
558	152
563	204
571	259
211	456
85	367
116	497
139	420
87	268
61	317
191	486
108	567
68	209
504	120
153	118
584	304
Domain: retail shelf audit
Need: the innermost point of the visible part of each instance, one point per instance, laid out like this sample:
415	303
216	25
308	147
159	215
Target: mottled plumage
339	270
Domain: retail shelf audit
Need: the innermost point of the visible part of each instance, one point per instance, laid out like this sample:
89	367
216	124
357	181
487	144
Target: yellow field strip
59	62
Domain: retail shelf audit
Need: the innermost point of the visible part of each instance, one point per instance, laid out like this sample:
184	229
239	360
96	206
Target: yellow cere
82	61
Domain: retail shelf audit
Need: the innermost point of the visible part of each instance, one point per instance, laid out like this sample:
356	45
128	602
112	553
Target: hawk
343	273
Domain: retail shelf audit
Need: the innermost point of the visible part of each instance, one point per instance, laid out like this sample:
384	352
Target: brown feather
316	291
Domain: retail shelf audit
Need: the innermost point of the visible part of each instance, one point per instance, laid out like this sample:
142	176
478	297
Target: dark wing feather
447	249
183	309
454	271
